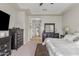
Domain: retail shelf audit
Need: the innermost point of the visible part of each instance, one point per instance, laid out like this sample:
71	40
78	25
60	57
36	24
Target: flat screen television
4	21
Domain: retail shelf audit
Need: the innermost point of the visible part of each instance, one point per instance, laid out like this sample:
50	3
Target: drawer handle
5	50
5	45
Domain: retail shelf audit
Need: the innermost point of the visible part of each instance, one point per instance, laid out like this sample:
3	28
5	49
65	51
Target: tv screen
4	21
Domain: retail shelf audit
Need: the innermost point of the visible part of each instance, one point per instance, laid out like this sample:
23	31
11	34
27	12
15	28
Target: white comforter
60	47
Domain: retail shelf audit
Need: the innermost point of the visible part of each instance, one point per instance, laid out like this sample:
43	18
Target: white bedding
60	47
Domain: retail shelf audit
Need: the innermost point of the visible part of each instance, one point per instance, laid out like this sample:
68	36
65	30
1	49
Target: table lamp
66	29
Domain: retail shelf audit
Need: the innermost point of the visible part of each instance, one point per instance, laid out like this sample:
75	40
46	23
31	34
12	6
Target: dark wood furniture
5	46
50	33
41	50
61	36
16	37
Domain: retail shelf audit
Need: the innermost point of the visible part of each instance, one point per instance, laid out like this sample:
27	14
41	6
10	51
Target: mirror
49	27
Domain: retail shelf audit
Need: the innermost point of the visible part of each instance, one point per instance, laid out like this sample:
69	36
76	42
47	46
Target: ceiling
46	8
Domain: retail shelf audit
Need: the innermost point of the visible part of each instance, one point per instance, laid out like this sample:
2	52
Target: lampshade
66	29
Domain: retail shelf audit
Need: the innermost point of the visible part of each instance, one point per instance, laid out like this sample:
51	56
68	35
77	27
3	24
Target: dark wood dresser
16	37
49	35
5	46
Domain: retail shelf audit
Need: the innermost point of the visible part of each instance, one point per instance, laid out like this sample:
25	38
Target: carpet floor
26	50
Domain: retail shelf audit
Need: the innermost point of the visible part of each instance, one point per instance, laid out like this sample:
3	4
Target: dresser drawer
17	38
5	49
4	46
5	54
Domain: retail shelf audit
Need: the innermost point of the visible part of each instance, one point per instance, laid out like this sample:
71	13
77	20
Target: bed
67	46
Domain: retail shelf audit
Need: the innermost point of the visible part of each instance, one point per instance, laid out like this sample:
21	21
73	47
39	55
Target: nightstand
61	36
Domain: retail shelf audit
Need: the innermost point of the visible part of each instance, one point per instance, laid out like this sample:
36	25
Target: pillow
71	37
76	39
68	37
77	43
77	33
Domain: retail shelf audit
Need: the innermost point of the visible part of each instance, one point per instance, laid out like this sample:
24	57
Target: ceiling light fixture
43	3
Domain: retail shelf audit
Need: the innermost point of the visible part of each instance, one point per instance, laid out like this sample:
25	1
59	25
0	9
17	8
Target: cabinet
5	46
16	37
49	35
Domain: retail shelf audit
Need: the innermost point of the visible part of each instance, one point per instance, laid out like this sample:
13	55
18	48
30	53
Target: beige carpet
26	50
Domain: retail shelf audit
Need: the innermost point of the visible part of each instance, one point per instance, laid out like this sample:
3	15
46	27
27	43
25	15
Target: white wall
17	17
48	19
26	27
53	19
20	19
21	22
71	18
10	9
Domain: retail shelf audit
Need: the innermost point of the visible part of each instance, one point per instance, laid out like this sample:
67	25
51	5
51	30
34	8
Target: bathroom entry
35	27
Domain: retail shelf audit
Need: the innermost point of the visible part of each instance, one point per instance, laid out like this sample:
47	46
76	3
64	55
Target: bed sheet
61	47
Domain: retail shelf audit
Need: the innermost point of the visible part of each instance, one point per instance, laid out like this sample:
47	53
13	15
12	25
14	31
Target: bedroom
31	18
